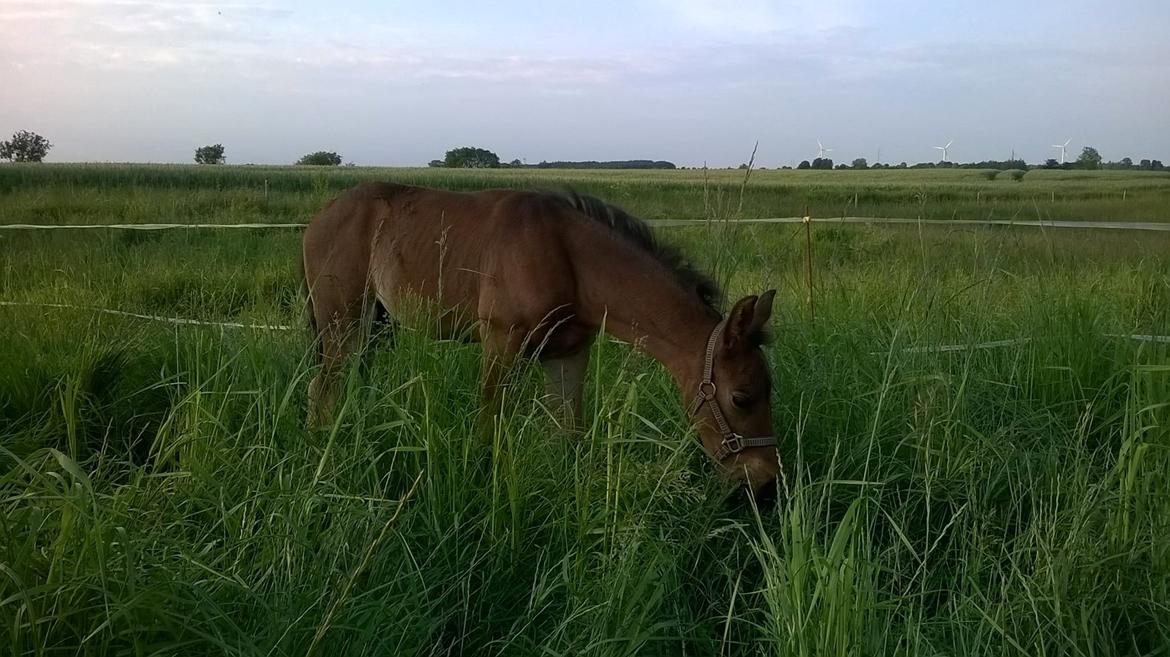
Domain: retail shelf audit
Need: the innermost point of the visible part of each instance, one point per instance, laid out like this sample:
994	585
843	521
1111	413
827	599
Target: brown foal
537	275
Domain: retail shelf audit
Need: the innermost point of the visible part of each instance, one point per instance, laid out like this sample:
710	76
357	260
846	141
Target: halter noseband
732	443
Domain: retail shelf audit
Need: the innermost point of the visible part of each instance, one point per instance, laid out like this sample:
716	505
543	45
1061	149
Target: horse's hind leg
564	380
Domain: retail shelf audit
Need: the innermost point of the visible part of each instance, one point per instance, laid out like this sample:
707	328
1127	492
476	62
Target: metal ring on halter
708	396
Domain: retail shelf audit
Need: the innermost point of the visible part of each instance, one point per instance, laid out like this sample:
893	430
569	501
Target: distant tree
25	146
1089	158
1051	163
822	163
1144	164
436	163
860	163
470	157
901	165
516	163
1126	163
210	154
804	165
608	164
1156	165
742	165
321	159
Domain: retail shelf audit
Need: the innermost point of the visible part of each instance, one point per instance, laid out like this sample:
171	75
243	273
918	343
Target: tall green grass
160	495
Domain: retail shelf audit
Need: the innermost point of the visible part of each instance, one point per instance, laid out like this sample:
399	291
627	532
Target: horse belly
421	289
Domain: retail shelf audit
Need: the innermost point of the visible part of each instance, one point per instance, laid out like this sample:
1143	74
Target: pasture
159	493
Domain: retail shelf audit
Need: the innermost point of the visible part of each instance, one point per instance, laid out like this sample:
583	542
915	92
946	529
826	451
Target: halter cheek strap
732	443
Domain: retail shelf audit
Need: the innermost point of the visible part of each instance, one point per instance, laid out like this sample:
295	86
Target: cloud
262	40
81	33
587	80
736	19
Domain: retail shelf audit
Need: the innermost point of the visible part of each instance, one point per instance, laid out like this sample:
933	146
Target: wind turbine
1062	148
821	150
944	150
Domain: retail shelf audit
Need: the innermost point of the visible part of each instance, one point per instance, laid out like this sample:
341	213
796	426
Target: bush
210	154
470	157
320	158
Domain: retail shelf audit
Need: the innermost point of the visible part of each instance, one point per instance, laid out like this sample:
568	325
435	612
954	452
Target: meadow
159	493
55	194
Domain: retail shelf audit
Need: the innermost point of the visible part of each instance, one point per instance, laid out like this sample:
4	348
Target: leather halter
732	443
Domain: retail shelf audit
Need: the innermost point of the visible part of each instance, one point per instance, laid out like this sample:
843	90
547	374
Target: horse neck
639	301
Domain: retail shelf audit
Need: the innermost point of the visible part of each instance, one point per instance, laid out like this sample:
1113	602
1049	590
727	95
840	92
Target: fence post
808	259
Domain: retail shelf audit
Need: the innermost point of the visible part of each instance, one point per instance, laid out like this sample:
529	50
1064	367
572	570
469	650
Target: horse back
492	255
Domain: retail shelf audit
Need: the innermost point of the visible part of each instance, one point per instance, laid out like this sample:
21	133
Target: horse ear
745	322
762	312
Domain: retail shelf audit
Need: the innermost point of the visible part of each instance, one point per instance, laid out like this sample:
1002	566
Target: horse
536	275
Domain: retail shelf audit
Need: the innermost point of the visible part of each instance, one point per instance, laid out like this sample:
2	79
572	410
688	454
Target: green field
160	495
57	194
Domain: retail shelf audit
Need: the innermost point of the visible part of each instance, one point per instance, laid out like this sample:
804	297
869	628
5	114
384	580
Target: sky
690	81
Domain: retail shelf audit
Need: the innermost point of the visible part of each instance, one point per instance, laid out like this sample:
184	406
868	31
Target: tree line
470	157
1089	159
25	146
215	154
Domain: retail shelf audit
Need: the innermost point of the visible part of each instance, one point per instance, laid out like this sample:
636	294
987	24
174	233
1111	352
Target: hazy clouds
388	83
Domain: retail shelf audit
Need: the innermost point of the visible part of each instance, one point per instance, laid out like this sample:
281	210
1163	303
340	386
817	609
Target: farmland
160	494
145	193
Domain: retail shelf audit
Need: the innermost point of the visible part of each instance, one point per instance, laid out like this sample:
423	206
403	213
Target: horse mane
637	232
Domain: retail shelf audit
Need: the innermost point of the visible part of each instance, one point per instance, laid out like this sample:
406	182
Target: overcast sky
690	81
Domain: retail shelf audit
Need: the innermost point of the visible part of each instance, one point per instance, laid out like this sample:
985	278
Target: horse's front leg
564	380
501	348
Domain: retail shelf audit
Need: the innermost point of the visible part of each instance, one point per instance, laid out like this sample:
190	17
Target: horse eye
740	400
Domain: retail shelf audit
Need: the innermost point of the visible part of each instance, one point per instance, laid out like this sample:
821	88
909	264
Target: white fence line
1054	223
992	344
139	226
671	223
179	321
153	318
1142	338
943	348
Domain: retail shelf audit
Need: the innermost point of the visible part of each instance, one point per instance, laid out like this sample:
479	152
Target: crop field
160	494
55	194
